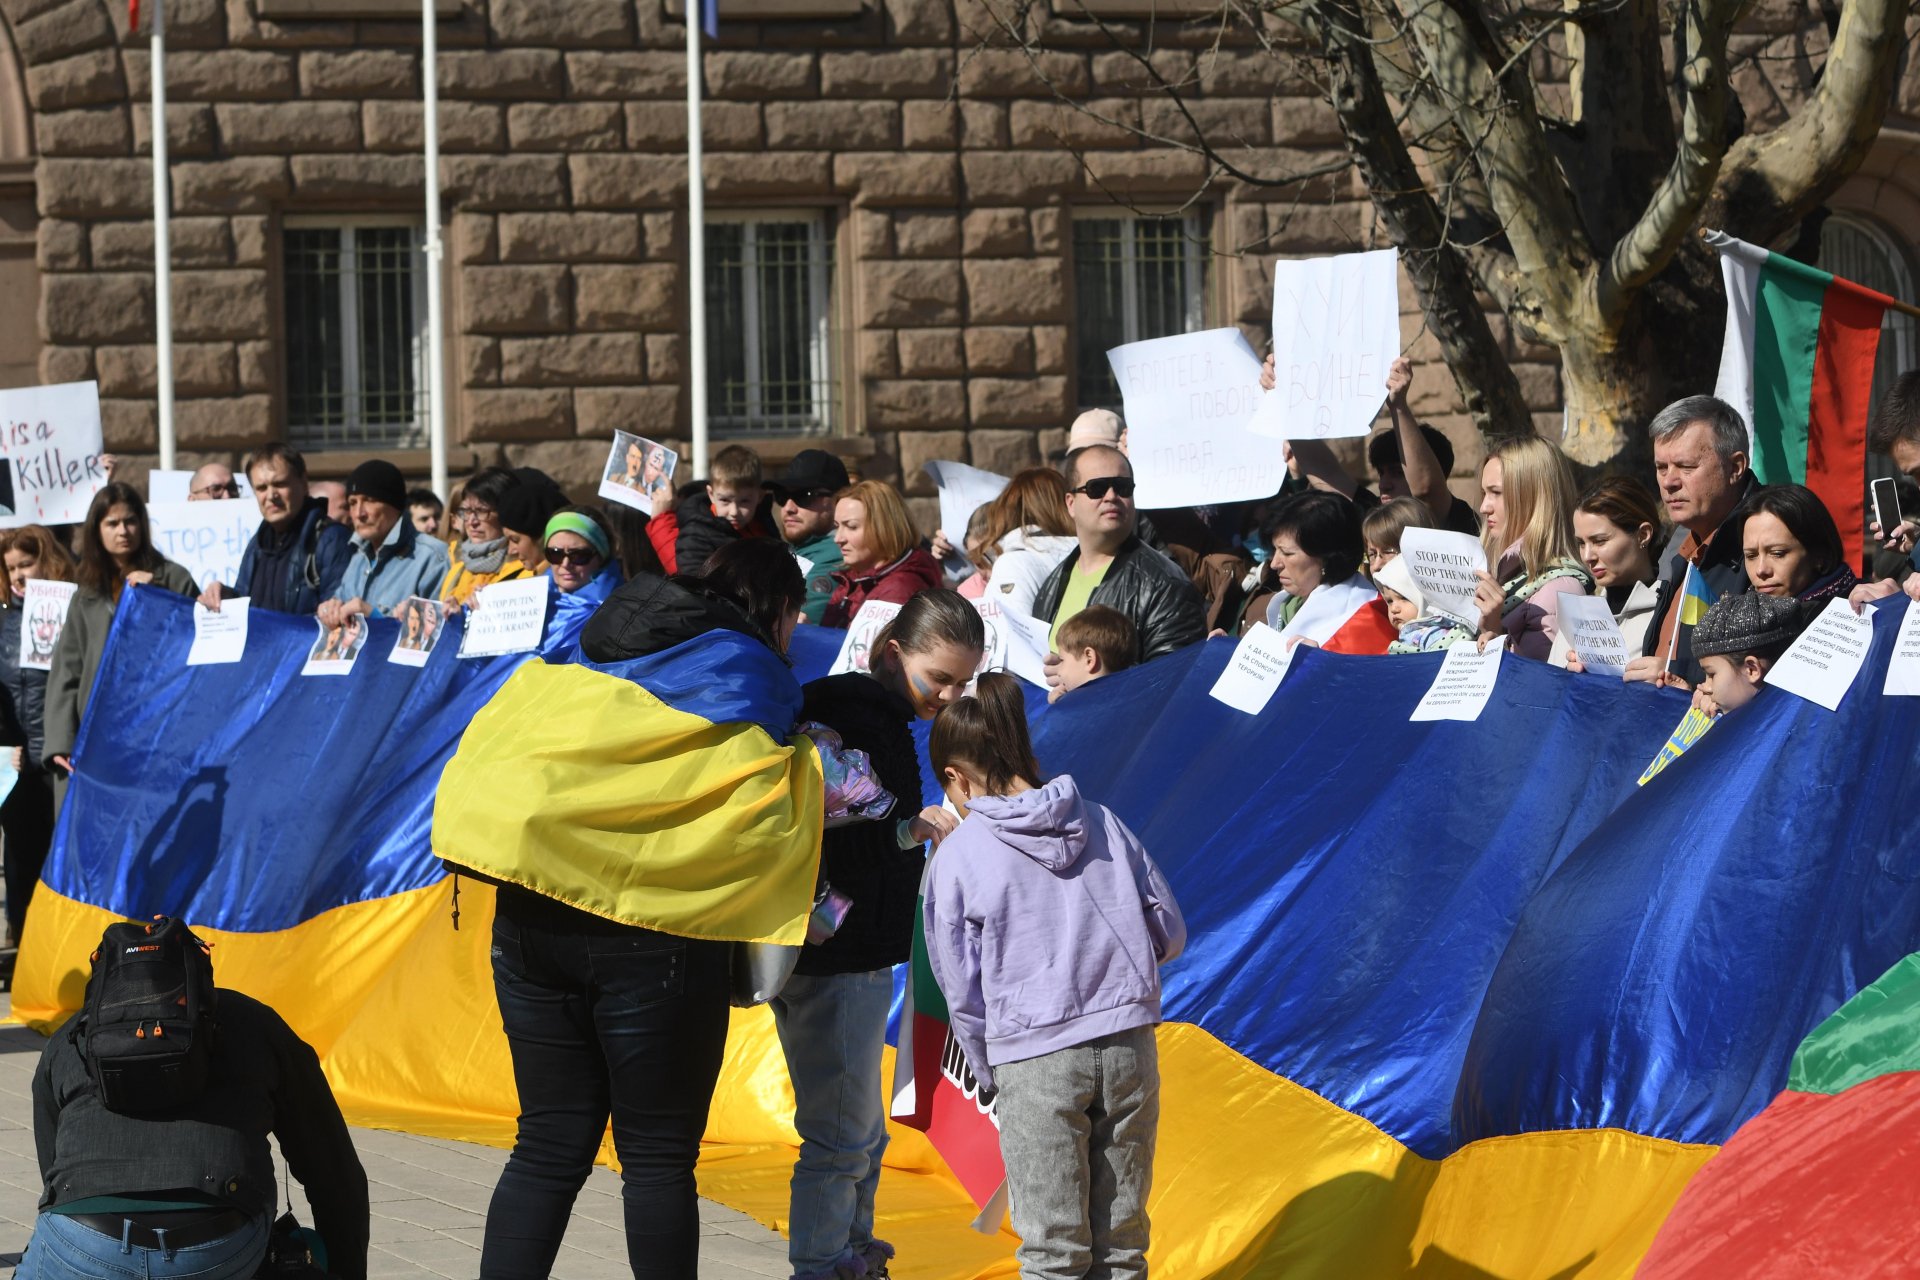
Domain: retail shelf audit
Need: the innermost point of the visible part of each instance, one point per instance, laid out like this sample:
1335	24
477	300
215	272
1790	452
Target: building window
356	335
1134	278
770	358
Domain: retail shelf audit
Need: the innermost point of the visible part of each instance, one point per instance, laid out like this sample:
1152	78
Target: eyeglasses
800	497
577	557
473	513
1119	486
231	489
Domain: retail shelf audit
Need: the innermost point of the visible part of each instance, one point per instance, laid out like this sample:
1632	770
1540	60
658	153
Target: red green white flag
1797	362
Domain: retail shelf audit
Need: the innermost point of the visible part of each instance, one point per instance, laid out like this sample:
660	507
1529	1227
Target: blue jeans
62	1249
832	1030
604	1020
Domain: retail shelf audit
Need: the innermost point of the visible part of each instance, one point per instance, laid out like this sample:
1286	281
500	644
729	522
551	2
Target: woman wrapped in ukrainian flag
640	809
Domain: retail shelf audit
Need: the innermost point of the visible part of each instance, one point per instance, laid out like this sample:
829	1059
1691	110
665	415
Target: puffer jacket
649	614
23	708
896	583
1156	595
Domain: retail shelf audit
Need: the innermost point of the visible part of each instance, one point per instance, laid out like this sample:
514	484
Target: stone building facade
920	230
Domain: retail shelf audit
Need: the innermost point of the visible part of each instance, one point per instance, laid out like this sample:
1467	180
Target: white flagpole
162	238
436	321
696	248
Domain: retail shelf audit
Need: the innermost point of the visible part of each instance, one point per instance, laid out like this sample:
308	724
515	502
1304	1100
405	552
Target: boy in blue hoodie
1046	924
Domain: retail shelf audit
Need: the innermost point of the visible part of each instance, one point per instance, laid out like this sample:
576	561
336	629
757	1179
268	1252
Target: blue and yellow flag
660	791
1698	596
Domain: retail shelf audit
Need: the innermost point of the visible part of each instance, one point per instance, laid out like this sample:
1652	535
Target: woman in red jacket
884	559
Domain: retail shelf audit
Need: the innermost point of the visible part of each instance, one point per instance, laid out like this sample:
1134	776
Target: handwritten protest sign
1189	400
1587	622
1015	642
507	617
43	615
1822	664
1258	665
855	650
219	637
51	436
1336	329
1465	682
207	537
1443	565
1903	668
963	490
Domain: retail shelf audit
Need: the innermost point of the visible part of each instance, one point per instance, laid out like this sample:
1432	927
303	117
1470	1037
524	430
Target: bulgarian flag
1797	362
934	1092
1344	617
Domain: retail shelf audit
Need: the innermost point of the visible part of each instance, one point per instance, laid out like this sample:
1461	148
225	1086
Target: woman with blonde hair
1029	534
883	558
1527	507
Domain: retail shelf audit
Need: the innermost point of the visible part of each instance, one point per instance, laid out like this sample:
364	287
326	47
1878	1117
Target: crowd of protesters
1071	1056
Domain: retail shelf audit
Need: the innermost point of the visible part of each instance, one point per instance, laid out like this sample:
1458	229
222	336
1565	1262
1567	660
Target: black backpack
146	1029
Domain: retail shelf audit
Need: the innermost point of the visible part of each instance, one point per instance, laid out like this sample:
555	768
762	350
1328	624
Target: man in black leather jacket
1112	566
196	1183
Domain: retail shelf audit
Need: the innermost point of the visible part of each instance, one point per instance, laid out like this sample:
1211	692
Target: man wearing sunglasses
802	502
1112	566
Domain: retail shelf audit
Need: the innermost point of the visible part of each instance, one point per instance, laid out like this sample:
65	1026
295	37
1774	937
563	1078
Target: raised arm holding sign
1189	400
1336	330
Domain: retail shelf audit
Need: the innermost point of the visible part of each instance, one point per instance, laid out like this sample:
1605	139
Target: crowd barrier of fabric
1459	998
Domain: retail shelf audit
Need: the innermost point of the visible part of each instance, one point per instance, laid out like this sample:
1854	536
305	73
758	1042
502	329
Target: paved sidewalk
429	1200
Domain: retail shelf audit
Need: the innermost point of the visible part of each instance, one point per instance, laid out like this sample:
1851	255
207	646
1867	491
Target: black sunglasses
1121	486
579	557
803	497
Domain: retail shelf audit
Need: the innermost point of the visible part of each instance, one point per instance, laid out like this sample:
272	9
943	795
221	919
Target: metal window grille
1133	278
1857	250
770	359
356	337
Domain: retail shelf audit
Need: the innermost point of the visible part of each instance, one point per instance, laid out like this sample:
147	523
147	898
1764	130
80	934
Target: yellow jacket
460	583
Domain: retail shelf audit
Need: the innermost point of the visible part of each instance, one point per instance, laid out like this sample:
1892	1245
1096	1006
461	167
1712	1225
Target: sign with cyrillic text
856	650
1189	402
1822	664
1015	642
51	435
1903	668
1445	566
1465	682
43	616
219	636
1258	665
1336	329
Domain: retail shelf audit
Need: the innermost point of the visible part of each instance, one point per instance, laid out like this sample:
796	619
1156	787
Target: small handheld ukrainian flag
1694	604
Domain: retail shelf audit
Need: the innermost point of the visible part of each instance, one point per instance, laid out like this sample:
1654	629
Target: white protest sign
1258	665
1012	644
963	490
208	538
1443	565
1465	682
1189	400
219	637
507	617
337	648
1336	329
422	622
855	651
43	615
51	438
1903	669
1587	622
1822	664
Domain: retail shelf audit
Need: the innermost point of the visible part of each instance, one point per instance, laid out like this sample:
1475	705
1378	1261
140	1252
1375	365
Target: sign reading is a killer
50	439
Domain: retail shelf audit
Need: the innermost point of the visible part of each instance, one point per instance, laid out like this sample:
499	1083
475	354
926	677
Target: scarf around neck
483	557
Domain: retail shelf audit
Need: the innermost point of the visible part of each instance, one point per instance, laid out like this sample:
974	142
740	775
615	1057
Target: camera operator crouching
151	1111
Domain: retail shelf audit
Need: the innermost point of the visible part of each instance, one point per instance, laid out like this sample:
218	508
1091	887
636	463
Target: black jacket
304	569
264	1080
863	859
1156	595
23	692
1724	567
650	614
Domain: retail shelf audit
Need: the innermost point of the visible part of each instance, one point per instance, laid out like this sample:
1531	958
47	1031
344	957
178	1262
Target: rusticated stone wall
951	170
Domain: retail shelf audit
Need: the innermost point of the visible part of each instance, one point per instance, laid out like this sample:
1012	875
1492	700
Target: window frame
824	359
1198	270
346	225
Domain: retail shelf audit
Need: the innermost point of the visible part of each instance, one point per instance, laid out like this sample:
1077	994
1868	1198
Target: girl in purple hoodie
1046	925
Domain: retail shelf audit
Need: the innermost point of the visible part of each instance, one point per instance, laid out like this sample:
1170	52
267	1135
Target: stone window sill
398	10
777	10
1134	10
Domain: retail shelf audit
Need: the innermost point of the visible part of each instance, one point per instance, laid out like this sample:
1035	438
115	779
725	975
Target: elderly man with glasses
1113	567
802	503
